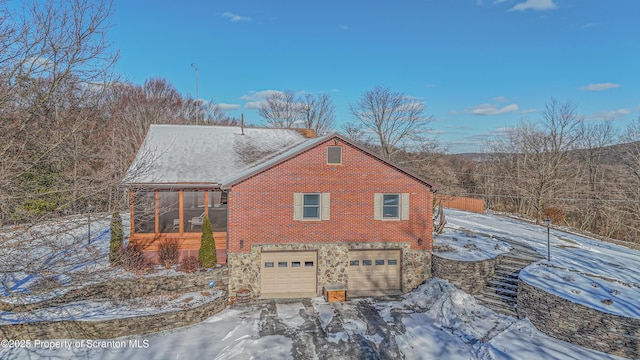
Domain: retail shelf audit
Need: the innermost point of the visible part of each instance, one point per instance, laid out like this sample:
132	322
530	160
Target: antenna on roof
242	123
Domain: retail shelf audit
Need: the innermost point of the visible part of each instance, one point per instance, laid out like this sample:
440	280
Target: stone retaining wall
123	289
333	261
578	324
132	288
109	329
468	276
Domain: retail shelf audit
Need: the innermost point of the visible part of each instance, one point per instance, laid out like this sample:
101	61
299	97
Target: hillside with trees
71	126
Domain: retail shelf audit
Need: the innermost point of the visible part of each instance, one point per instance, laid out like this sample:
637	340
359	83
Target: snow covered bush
207	252
116	237
168	253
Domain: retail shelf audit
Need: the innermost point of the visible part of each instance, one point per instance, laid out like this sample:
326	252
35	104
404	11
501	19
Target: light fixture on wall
335	141
420	241
241	244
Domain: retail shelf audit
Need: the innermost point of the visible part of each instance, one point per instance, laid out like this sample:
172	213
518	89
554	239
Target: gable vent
334	155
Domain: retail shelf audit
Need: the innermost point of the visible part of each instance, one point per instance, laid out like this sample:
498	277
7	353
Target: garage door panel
288	274
373	270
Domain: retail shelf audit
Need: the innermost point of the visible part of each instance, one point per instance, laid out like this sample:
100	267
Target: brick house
300	212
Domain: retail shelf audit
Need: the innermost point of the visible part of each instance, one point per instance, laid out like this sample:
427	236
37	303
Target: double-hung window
311	206
390	206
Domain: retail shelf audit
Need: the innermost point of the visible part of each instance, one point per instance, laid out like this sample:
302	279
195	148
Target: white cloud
235	17
491	109
259	95
600	86
256	98
255	105
228	106
496	2
610	114
534	5
500	99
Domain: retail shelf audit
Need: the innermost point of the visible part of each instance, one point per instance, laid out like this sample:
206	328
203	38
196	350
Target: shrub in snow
190	264
116	238
207	252
168	253
132	259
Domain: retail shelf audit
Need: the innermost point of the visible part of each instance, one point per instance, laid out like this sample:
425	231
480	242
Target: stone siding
333	261
578	324
468	276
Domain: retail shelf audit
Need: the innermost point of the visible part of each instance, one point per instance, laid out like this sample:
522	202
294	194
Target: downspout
228	227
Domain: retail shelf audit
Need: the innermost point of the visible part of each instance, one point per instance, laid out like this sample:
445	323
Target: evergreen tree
116	237
207	252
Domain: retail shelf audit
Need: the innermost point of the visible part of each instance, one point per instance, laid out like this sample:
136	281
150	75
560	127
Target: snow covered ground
456	244
434	321
33	262
597	274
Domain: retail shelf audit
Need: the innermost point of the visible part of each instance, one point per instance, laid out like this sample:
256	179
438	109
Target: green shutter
297	206
404	202
377	206
326	205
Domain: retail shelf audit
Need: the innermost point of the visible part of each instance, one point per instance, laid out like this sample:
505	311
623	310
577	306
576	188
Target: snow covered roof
206	155
220	156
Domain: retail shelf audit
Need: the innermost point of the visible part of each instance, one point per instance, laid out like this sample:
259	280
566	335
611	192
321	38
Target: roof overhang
168	186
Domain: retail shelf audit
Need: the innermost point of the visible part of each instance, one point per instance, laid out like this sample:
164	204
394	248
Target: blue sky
479	65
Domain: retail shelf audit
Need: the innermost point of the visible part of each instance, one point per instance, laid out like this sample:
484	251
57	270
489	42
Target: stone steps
501	290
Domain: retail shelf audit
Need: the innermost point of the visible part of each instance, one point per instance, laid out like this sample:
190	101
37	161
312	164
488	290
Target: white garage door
373	271
288	274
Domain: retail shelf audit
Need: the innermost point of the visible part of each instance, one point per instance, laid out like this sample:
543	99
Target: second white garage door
374	271
288	274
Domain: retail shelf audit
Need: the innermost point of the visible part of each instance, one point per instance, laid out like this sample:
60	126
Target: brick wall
261	207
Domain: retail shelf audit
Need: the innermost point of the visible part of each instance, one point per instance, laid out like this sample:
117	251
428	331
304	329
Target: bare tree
205	112
391	117
53	56
631	207
534	161
317	112
281	110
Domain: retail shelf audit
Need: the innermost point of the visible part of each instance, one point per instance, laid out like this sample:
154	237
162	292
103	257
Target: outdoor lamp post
548	221
89	210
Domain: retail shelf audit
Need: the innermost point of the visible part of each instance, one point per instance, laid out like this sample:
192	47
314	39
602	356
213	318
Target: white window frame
398	206
318	206
323	206
403	207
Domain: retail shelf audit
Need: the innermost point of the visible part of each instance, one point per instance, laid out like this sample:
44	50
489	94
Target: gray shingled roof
181	154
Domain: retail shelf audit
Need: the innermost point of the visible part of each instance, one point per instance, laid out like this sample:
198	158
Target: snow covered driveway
435	321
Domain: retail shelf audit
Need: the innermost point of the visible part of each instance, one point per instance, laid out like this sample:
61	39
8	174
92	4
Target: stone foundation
468	276
333	261
578	324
